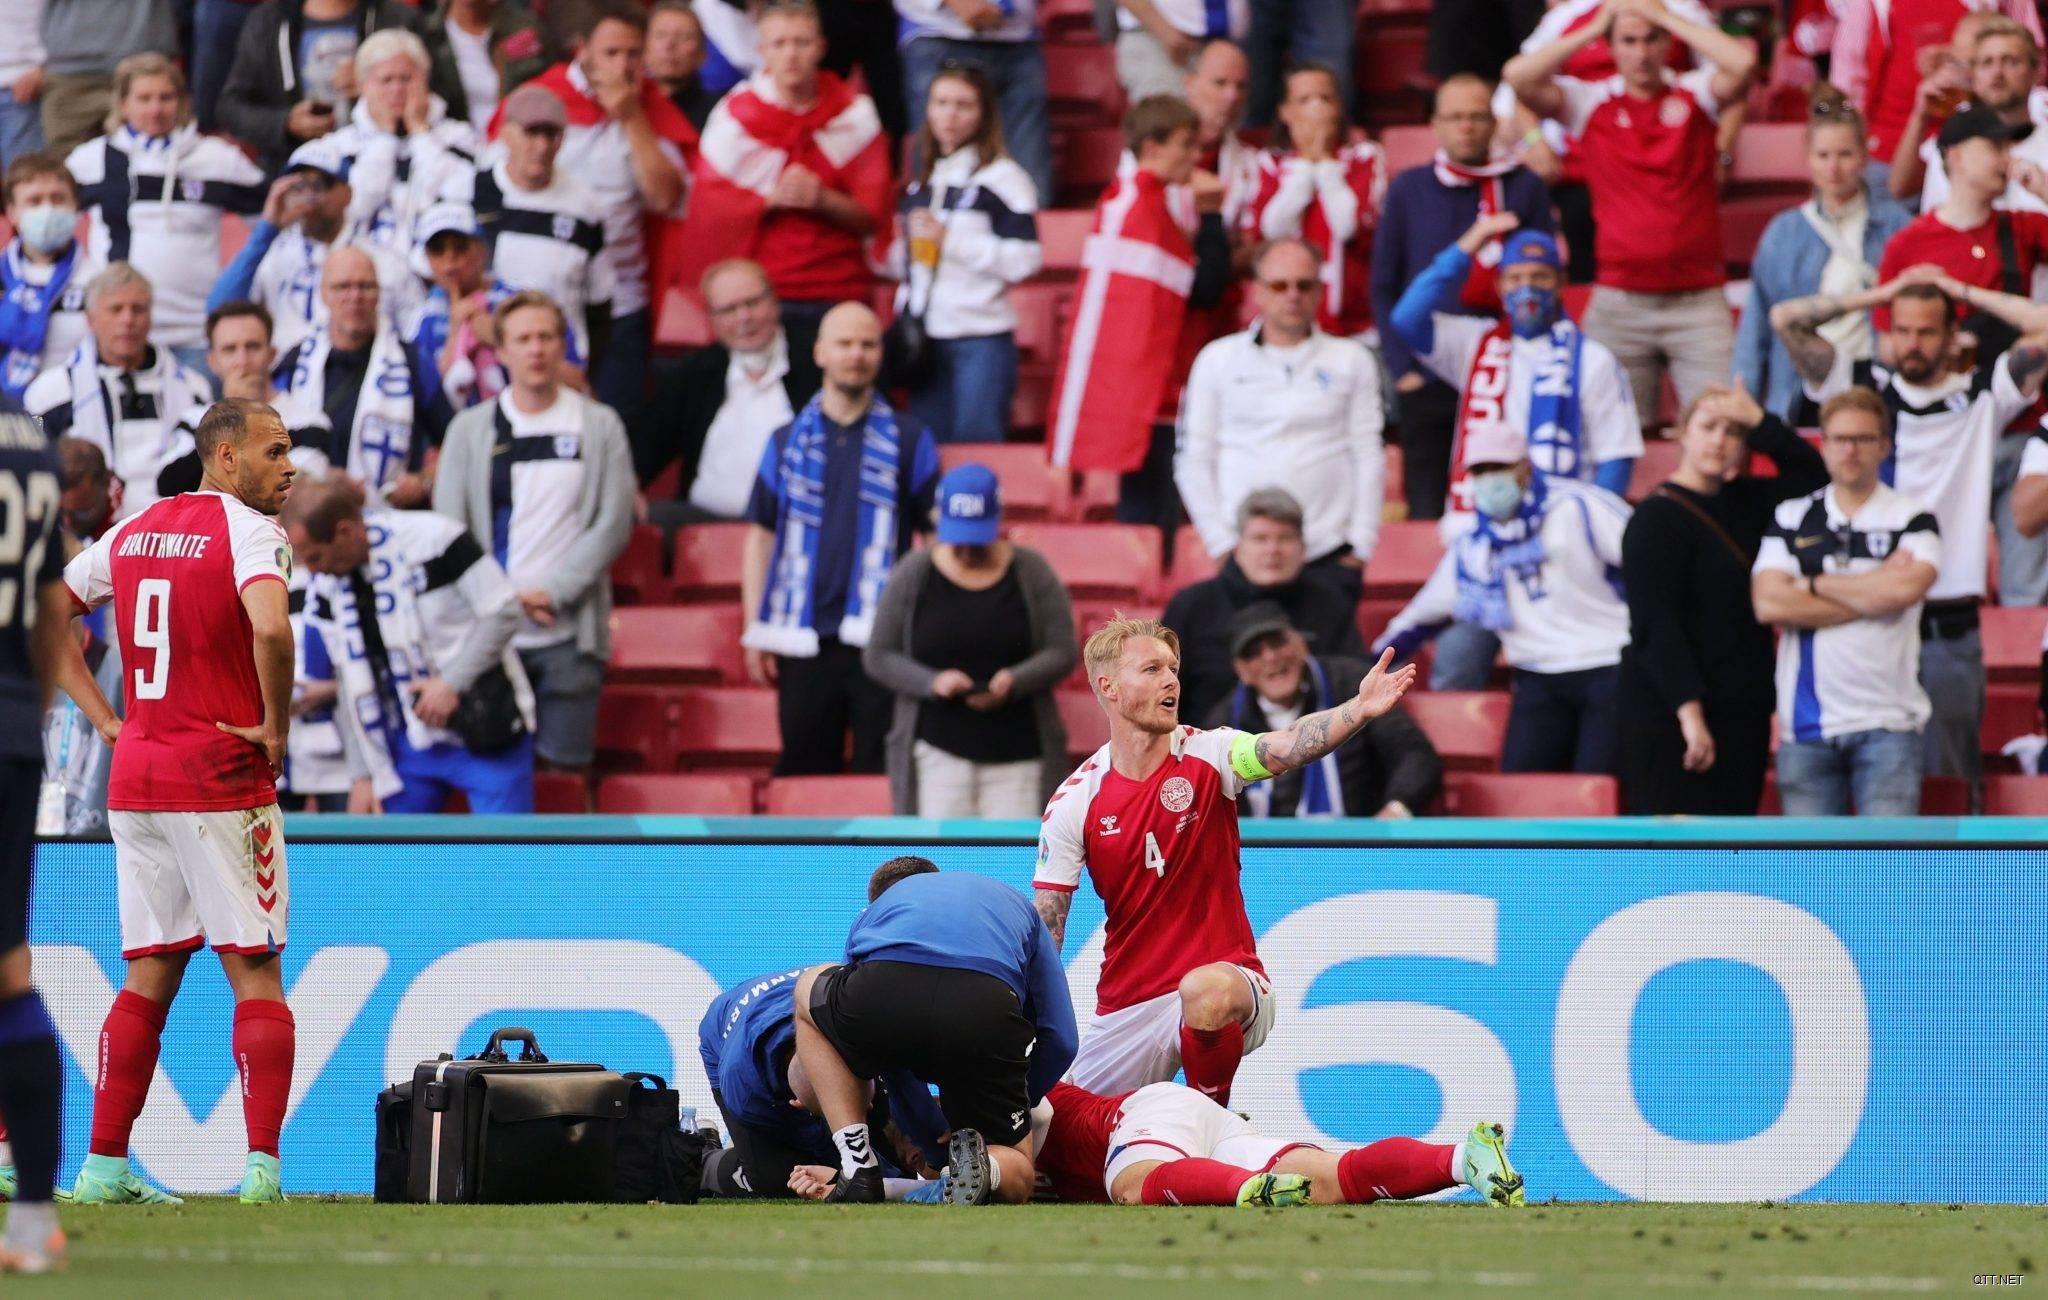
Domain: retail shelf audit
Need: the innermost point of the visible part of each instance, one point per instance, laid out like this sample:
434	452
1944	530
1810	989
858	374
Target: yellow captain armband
1244	758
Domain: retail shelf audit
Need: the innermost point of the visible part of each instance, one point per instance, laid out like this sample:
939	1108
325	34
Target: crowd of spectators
463	223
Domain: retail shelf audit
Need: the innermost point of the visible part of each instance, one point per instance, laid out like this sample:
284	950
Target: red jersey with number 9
1163	854
176	572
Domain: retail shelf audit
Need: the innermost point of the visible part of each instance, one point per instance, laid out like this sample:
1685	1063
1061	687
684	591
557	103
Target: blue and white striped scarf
1516	544
25	311
784	624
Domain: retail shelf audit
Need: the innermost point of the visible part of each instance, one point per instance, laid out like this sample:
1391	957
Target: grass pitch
319	1247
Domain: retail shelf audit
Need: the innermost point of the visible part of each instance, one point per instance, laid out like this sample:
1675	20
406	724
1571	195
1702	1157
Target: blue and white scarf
1322	789
1555	419
784	623
1507	545
25	313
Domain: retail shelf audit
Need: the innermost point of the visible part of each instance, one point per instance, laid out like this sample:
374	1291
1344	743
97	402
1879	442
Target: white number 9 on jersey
153	632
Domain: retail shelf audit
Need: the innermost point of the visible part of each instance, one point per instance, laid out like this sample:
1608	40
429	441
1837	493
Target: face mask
1531	310
1498	494
47	228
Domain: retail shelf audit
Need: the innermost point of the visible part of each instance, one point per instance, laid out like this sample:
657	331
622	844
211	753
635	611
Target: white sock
995	1173
29	1225
1458	1162
6	1153
855	1150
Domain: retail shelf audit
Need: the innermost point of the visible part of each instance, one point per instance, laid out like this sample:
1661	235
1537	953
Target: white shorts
1140	1044
1169	1121
188	878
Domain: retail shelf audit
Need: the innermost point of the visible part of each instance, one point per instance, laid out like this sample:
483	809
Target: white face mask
47	227
1497	493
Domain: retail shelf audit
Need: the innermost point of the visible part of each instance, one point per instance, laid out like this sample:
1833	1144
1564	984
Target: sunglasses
1298	286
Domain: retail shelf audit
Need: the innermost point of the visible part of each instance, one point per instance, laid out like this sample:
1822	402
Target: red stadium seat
1192	562
1097	561
1408	553
1659	459
1038	321
560	792
1772	154
637	578
1944	796
637	728
2012	642
702	794
1029	489
1530	794
682	323
1467	727
1081	86
707	563
1742	226
1087	725
1032	400
1373	617
2011	710
2016	796
1067	22
676	643
1085	163
1063	231
727	726
827	796
1407	146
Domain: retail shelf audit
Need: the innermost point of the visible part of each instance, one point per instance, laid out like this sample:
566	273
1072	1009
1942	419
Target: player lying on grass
747	1041
1167	1144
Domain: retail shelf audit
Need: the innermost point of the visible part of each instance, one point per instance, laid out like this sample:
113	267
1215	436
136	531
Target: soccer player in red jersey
1152	819
198	585
1169	1145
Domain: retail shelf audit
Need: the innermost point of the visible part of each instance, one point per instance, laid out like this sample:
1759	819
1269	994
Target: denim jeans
966	397
1016	69
1952	674
1879	771
1463	660
21	128
1287	32
216	27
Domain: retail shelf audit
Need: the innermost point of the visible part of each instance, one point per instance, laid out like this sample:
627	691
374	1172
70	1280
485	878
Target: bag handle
529	1047
638	1077
1680	499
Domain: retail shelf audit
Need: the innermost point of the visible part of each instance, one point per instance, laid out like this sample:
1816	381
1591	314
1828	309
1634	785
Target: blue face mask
1497	493
47	228
1531	310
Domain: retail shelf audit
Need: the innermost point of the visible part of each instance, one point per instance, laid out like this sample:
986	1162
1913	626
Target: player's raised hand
1382	689
271	743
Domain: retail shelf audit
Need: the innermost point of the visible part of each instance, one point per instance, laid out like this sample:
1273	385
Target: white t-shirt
1192	17
600	161
1862	675
547	497
479	74
754	409
1944	436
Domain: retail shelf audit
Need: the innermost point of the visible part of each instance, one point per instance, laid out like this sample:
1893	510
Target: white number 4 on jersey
1155	861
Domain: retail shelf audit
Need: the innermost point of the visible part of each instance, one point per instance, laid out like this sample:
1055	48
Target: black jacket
1390	759
687	395
263	81
1200	616
520	47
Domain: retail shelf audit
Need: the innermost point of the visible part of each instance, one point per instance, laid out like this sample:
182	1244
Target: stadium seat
682	323
1087	725
1467	727
1097	561
1772	154
1030	491
1081	86
1944	796
1037	305
1407	146
1742	227
1192	562
1408	553
1032	400
1659	459
2011	710
2016	796
1093	498
1063	231
637	578
680	644
827	796
727	726
1530	794
1085	164
2012	642
1067	22
1373	617
560	792
637	728
707	563
702	794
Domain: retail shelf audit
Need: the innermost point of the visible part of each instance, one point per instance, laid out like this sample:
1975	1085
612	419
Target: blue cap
970	506
1525	246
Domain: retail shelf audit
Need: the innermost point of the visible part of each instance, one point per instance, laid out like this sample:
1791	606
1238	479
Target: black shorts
959	1029
21	785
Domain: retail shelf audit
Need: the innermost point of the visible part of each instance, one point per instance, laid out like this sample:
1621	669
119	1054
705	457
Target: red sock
1194	1182
1394	1169
1210	1057
128	1045
265	1041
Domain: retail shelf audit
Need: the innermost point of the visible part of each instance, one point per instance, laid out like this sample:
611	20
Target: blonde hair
1106	646
1992	25
1857	399
389	43
133	69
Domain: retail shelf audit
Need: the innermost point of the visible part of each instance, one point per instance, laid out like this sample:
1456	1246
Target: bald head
849	350
348	288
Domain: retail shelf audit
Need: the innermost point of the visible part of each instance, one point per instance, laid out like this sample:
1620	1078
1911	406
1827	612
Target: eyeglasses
1860	441
744	304
1298	286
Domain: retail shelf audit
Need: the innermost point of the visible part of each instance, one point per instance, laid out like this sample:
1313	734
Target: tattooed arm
1798	321
1053	906
1316	734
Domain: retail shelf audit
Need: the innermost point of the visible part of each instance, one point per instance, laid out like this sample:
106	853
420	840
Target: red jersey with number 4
1163	855
176	572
